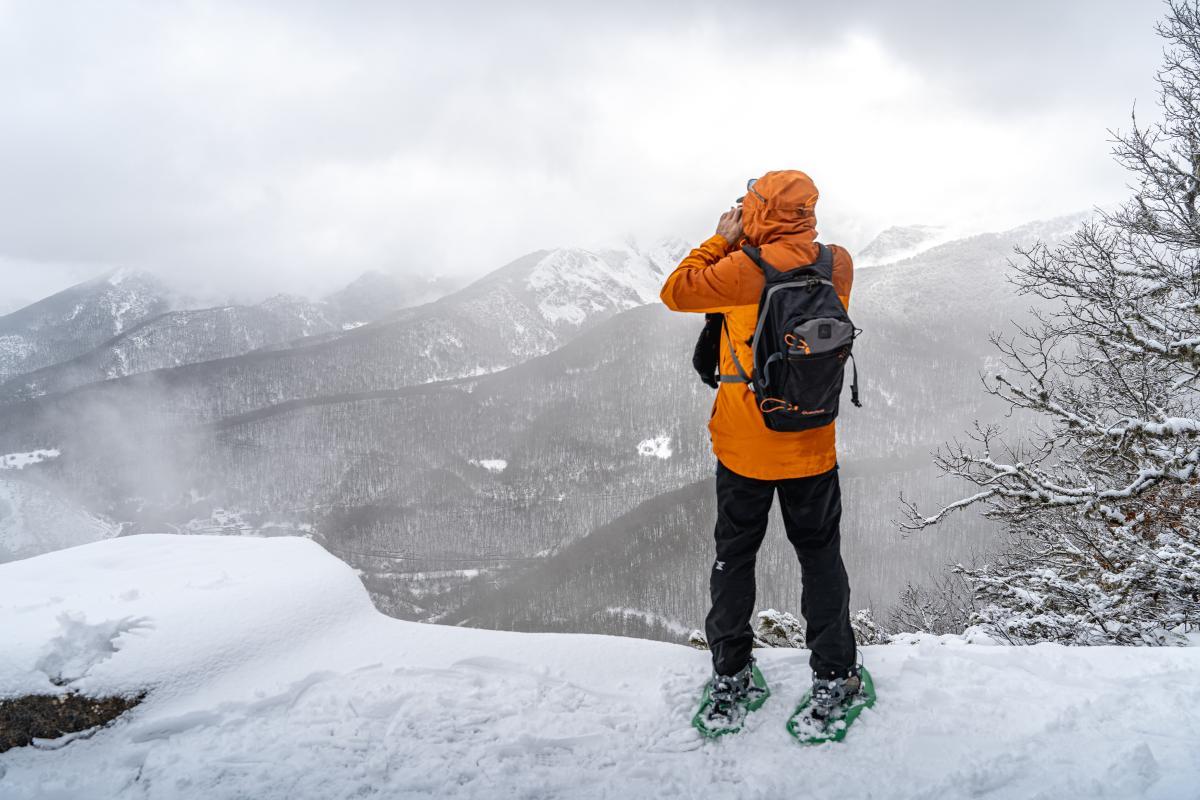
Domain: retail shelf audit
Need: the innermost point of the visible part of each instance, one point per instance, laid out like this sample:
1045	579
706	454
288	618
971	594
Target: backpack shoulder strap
741	376
823	266
769	272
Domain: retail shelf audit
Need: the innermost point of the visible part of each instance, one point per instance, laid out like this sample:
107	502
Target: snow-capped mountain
956	275
900	242
266	673
188	336
572	286
519	312
562	290
175	338
77	320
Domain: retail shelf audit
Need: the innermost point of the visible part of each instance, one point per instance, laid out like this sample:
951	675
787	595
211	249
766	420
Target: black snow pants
812	512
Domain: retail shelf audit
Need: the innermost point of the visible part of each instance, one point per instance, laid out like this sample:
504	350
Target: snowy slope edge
272	676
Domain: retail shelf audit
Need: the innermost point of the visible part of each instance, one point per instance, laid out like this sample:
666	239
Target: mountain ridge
71	322
504	304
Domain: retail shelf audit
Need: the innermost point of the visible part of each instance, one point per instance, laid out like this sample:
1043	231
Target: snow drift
270	675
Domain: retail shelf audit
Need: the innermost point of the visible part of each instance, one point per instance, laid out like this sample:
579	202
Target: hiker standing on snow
776	220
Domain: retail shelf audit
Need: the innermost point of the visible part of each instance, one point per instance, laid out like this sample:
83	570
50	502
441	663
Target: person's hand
730	225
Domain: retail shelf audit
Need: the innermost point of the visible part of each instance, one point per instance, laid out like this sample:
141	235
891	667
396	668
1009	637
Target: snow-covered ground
23	460
271	676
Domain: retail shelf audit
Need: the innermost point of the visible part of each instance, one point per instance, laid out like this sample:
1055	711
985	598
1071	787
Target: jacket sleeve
708	280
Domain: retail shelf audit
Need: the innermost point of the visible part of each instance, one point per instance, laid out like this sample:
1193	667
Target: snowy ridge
899	243
271	676
133	297
572	284
74	321
142	331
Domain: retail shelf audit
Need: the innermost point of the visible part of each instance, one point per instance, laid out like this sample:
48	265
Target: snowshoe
828	709
727	699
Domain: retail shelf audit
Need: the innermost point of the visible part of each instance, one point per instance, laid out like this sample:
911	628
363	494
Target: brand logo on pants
720	566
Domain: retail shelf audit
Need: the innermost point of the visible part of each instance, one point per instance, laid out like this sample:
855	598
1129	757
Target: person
777	215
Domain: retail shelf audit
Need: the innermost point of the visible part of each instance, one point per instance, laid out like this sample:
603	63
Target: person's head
780	204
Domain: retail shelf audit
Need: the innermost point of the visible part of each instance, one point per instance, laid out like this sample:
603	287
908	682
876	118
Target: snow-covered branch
1103	500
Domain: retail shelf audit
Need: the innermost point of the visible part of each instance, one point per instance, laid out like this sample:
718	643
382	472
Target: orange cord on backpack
783	404
797	342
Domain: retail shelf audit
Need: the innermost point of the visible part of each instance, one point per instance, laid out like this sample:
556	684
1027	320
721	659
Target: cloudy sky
253	147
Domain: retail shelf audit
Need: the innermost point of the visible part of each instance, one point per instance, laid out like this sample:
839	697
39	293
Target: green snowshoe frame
706	702
834	729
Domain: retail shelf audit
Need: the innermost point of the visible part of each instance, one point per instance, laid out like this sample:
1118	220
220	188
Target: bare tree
945	606
1102	494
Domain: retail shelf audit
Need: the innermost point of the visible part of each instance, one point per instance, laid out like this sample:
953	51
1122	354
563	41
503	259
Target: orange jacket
718	277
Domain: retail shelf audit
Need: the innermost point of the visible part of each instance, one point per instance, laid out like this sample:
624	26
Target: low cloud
254	148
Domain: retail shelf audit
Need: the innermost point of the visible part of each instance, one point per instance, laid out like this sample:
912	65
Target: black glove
708	349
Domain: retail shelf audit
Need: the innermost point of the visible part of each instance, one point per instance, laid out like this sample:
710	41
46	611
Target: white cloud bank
294	145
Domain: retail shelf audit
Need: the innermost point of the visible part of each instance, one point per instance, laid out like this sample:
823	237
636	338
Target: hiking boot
732	696
828	710
830	696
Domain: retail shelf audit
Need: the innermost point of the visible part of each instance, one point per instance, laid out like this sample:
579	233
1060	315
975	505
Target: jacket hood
785	225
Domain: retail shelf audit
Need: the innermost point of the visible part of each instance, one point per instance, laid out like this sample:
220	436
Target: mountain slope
271	676
189	336
520	311
175	338
957	280
35	519
900	242
645	573
76	320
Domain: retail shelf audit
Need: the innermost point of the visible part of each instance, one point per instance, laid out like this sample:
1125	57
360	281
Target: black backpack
801	344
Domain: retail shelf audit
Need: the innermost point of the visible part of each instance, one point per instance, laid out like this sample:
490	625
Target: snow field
272	676
23	460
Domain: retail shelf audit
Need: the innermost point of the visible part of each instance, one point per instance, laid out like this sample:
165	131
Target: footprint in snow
80	646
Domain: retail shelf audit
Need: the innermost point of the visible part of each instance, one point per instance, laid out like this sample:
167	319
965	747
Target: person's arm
709	278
